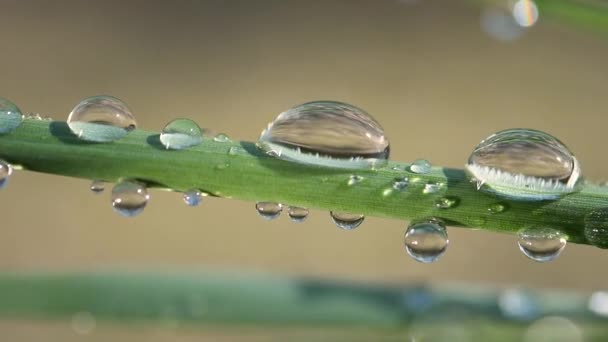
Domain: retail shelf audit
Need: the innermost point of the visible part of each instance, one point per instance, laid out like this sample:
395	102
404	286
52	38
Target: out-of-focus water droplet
598	303
447	202
426	240
181	133
500	24
5	172
420	166
524	164
234	150
269	210
297	214
193	197
101	119
346	221
541	244
10	116
83	323
432	188
327	133
354	179
221	138
97	186
497	208
596	227
129	198
553	329
525	13
518	304
222	165
401	183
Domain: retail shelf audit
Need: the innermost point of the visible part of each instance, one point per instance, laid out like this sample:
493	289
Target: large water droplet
524	164
193	197
327	133
427	240
10	116
101	119
297	214
5	172
541	244
420	166
97	186
346	221
181	133
129	198
596	227
269	210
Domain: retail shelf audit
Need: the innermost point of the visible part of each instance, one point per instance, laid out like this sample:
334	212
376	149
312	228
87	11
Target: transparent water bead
401	183
596	227
541	244
420	166
447	202
180	134
5	172
297	214
269	210
354	179
426	240
524	164
129	198
97	186
327	133
10	116
346	221
101	119
221	138
193	197
525	13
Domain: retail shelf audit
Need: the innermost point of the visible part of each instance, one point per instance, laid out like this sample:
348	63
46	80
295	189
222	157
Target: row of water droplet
514	164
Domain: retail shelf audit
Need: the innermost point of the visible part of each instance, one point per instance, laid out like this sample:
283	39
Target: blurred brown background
424	69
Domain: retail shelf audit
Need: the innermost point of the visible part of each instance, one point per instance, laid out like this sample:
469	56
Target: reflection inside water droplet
541	244
129	198
5	172
326	133
269	210
180	134
193	197
426	240
101	119
97	186
346	221
10	116
297	214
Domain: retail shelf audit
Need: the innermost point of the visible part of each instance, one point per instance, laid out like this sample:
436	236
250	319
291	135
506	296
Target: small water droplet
354	179
401	183
426	240
541	244
431	188
525	13
420	166
101	119
5	172
83	322
447	202
97	186
180	134
193	197
10	116
596	227
222	138
223	165
269	210
346	221
129	198
496	208
524	164
327	133
297	214
234	150
398	168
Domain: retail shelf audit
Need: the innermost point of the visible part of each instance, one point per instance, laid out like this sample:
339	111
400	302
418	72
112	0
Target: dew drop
447	202
129	198
5	172
496	208
420	166
401	183
596	227
297	214
97	186
524	164
10	116
541	244
193	197
431	188
222	138
101	119
326	133
180	134
354	179
235	150
426	240
269	210
346	221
